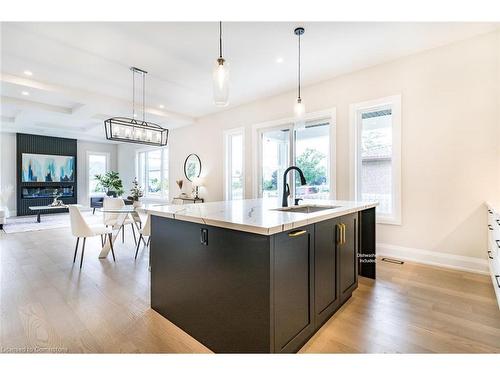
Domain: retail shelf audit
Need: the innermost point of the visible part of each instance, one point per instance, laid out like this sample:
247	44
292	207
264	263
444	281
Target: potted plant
111	183
135	193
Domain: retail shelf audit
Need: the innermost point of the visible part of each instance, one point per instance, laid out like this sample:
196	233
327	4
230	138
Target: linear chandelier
125	129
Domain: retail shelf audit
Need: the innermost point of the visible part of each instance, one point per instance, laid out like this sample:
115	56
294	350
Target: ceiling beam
92	99
6	119
30	104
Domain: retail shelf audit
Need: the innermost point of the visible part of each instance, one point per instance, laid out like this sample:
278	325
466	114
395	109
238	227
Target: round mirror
192	167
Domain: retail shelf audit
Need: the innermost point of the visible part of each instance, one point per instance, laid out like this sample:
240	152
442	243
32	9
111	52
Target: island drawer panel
293	288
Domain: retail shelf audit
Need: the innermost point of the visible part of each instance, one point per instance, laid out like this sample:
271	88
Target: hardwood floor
49	305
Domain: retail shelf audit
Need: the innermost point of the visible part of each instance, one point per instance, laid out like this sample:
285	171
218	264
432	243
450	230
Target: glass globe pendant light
299	108
221	77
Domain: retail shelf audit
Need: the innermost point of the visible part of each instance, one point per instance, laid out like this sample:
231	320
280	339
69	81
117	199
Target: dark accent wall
37	144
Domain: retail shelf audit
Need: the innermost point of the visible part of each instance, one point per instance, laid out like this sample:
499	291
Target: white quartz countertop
255	215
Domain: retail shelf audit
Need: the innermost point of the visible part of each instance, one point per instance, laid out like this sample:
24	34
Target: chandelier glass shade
299	108
220	77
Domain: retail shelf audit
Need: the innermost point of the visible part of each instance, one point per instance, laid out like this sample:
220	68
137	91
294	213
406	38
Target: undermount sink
306	208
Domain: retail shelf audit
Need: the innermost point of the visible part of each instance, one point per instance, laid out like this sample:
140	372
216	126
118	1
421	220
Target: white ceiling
81	70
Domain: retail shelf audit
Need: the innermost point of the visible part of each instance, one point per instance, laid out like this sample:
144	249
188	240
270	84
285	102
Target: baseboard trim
434	258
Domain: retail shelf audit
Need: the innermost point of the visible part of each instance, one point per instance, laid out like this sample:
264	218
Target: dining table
123	213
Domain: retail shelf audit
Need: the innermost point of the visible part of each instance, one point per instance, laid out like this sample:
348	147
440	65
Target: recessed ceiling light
279	60
29	73
25	93
161	106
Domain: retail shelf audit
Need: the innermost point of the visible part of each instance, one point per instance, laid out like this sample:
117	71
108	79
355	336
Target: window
97	163
308	147
377	156
152	172
234	168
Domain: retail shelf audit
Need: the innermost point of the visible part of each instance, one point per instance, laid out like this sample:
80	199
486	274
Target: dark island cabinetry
213	283
335	264
240	292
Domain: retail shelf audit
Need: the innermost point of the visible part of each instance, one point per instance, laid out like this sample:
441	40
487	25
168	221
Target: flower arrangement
136	191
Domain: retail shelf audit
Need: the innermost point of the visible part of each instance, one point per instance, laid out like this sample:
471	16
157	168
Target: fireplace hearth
47	192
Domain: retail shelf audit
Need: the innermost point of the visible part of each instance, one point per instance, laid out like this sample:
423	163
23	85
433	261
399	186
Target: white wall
450	138
8	165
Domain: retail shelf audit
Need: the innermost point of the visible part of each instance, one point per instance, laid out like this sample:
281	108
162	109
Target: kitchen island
251	277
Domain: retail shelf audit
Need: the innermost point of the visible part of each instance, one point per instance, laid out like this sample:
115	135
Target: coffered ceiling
66	78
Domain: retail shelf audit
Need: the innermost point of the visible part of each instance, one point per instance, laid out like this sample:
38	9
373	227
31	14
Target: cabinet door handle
497	277
489	254
297	233
204	236
338	234
490	227
498	221
498	243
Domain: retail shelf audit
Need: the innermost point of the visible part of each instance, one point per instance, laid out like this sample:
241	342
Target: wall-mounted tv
47	168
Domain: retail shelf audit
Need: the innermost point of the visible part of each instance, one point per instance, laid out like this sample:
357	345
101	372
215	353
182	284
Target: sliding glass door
275	158
307	147
312	156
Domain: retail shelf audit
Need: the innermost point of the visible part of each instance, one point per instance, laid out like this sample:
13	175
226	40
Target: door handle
490	227
338	233
297	233
343	233
489	254
497	277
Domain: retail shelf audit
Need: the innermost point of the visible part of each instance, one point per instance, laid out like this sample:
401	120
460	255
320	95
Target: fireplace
47	192
46	167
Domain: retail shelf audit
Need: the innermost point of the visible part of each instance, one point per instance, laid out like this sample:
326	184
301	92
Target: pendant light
299	108
221	77
132	130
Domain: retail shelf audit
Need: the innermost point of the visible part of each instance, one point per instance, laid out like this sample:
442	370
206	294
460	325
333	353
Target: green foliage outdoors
310	163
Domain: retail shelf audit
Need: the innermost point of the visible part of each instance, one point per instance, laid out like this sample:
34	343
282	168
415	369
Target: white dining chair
109	219
80	229
145	231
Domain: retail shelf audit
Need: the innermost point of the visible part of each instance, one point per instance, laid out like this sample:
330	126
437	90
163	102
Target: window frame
164	194
227	167
356	109
329	115
87	175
